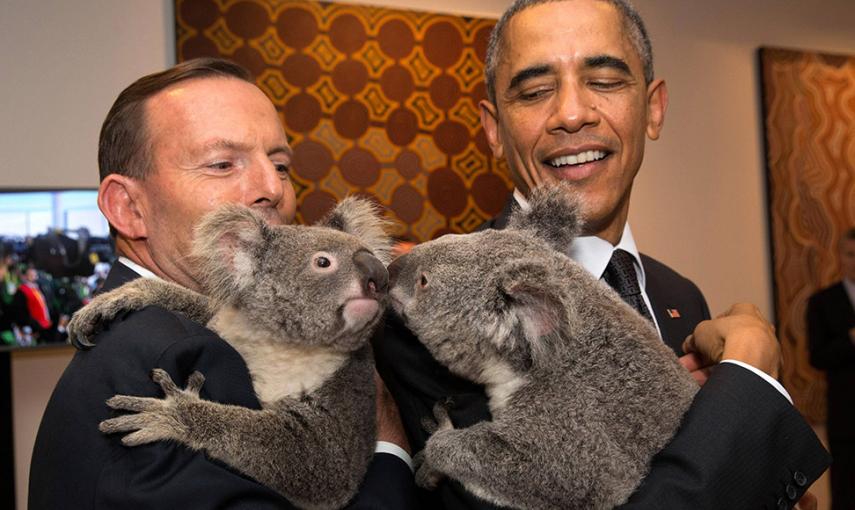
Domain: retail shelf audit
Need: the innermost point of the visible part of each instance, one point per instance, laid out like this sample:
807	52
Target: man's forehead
564	30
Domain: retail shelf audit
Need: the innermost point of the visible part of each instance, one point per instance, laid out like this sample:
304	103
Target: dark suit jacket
741	445
830	316
76	466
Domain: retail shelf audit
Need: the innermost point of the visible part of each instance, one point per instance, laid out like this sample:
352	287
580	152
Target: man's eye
533	94
282	168
221	165
606	84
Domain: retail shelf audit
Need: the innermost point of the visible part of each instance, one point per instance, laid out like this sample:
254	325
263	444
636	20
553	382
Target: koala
299	304
581	389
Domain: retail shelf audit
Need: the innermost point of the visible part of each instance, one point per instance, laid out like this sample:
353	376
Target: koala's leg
91	319
313	450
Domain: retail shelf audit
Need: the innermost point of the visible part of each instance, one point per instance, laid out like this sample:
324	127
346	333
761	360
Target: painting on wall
375	101
809	121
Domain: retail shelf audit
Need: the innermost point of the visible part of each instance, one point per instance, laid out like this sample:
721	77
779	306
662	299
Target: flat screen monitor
55	251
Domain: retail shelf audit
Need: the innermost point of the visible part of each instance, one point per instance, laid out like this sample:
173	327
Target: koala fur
299	304
581	389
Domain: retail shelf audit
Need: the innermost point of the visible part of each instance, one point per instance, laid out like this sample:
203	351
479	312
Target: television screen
55	251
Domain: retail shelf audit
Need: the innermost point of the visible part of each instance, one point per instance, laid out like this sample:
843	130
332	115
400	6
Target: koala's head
321	285
494	295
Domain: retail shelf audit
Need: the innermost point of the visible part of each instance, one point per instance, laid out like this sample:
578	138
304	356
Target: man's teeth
577	159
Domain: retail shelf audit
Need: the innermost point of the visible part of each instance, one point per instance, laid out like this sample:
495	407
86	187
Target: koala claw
194	383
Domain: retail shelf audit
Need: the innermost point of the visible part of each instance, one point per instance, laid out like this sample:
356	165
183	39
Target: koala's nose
375	278
395	268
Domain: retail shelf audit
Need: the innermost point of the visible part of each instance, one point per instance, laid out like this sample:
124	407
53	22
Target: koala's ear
226	243
535	306
362	218
553	215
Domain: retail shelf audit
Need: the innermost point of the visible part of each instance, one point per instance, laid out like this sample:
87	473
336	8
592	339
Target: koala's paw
155	419
91	319
426	476
441	420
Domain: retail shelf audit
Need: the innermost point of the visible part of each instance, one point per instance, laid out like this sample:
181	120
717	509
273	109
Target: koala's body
581	389
299	304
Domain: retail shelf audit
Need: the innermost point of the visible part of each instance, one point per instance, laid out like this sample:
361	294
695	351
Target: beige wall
699	203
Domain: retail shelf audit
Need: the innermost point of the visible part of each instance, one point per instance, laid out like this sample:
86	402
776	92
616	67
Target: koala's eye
323	262
423	281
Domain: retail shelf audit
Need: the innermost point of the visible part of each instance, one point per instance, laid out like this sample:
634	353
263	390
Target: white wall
699	203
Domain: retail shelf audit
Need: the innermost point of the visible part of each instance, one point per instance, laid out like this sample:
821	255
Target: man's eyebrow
608	61
224	144
281	149
527	74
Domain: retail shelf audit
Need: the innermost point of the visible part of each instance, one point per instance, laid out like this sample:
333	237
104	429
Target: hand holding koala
299	304
582	391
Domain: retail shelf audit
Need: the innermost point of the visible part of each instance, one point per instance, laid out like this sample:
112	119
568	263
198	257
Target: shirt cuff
766	377
397	451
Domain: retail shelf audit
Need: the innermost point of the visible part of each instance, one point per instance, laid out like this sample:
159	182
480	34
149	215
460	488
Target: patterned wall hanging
809	105
376	101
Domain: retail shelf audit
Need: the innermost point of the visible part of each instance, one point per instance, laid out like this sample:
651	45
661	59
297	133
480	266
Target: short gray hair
632	23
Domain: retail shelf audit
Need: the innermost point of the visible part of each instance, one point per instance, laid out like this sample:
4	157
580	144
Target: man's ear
657	104
119	198
535	306
490	123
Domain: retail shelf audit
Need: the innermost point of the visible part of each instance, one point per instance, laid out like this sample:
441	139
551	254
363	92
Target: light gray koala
299	304
581	389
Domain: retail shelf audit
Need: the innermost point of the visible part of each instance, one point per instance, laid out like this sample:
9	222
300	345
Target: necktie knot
621	276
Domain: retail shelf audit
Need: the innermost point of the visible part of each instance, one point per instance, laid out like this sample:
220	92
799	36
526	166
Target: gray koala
581	389
299	304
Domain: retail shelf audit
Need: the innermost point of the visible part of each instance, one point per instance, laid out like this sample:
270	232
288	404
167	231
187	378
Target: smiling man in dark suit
175	145
572	97
831	336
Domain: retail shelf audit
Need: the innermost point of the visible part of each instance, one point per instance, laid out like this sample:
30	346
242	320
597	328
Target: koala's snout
375	278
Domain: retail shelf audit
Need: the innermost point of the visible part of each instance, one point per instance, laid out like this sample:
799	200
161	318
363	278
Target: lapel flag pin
673	313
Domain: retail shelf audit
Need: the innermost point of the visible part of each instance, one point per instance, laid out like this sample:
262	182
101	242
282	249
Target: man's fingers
690	361
701	375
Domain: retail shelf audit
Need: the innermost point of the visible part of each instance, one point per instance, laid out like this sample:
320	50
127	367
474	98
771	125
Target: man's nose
574	108
266	184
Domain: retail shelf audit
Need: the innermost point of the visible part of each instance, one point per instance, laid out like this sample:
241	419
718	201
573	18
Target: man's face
213	141
572	105
847	259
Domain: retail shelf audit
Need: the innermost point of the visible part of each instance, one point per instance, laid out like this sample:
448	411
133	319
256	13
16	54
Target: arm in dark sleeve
741	445
388	485
828	338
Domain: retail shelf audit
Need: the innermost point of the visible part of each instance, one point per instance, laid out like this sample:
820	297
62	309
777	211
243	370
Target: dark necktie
620	275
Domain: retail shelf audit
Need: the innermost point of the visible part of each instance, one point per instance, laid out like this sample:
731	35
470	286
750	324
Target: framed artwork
809	125
375	101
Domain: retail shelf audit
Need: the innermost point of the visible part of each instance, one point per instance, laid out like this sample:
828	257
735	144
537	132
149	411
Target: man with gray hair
572	97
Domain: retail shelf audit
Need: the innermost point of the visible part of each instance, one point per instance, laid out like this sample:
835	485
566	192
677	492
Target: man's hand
741	334
389	427
808	502
692	362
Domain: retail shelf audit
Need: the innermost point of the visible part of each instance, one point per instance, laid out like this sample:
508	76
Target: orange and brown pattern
809	102
376	101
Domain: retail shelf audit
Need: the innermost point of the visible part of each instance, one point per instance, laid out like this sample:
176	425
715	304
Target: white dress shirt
594	254
382	446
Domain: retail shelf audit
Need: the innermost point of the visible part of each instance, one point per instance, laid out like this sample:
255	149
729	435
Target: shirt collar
593	253
138	269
